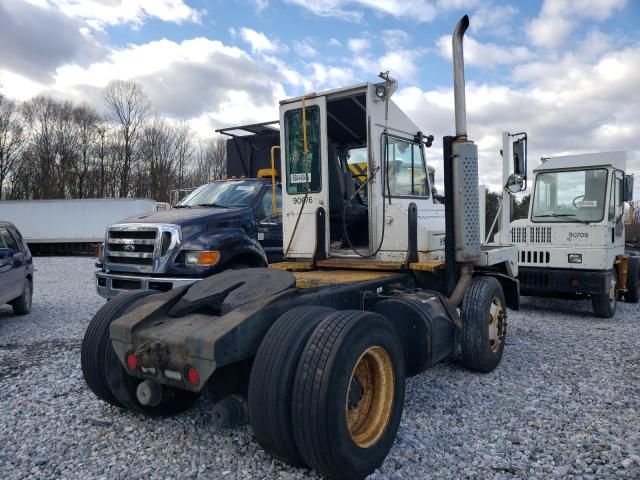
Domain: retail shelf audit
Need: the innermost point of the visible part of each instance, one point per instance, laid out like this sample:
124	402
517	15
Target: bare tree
160	149
128	107
86	121
184	150
211	157
12	137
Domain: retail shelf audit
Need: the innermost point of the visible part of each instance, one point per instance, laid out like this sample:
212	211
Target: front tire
348	394
272	378
484	319
606	304
22	304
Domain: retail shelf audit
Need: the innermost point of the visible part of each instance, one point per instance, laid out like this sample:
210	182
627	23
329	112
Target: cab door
305	174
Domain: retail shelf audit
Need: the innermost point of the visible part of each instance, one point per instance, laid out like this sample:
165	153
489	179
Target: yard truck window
303	170
570	196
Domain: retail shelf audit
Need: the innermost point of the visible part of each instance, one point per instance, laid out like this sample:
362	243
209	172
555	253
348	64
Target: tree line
52	148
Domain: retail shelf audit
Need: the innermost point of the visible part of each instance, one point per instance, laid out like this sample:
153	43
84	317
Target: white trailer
70	226
572	243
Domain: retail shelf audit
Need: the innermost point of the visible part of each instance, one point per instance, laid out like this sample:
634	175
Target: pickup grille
139	247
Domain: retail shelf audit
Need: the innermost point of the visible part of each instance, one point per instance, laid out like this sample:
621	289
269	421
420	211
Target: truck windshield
225	194
570	196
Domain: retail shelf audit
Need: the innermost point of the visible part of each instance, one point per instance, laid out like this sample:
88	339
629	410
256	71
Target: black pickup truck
221	225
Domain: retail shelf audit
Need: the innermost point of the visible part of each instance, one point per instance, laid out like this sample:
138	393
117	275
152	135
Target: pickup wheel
632	295
348	394
22	304
484	320
606	304
272	377
97	342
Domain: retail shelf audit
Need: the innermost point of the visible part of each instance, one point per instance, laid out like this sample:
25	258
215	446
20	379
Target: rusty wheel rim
370	397
497	324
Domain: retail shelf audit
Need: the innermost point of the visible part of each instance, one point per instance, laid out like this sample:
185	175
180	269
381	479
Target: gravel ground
565	402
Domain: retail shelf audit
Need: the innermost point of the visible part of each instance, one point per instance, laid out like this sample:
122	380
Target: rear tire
272	378
632	295
97	342
348	394
606	304
484	319
22	304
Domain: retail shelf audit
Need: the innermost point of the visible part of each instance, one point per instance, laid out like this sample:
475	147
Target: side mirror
515	183
520	157
6	252
627	189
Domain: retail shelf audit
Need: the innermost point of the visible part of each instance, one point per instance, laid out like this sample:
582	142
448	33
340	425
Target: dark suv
16	270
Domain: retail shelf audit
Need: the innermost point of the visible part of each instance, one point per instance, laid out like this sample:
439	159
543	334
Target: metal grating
518	234
539	234
534	257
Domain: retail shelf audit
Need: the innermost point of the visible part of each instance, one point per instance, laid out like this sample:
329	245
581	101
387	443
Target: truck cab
572	243
231	223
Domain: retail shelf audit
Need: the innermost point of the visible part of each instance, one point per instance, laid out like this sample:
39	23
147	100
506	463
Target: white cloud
358	45
486	55
400	65
99	13
259	42
354	10
394	38
496	20
305	49
558	18
567	106
334	42
260	5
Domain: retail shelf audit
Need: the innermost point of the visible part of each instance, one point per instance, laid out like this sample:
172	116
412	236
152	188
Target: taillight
132	361
193	376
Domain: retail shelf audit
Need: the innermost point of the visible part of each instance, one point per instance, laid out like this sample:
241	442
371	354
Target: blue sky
566	71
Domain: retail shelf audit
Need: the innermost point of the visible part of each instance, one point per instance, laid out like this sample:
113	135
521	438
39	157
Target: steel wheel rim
497	324
368	408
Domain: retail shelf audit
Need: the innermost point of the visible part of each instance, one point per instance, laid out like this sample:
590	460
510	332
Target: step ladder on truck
572	243
379	284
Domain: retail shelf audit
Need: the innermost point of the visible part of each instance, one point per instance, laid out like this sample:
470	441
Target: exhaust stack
464	170
458	78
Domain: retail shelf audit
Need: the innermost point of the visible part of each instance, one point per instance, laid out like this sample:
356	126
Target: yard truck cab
379	283
572	243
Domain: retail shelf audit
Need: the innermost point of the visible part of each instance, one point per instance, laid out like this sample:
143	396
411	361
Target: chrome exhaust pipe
458	78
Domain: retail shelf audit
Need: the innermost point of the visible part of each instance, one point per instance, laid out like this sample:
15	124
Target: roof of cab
616	160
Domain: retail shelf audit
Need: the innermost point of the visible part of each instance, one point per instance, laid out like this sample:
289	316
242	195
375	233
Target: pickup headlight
201	258
575	258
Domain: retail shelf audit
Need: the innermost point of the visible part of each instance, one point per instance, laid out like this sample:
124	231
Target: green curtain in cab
296	161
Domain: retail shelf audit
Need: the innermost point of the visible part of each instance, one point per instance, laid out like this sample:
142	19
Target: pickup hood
186	217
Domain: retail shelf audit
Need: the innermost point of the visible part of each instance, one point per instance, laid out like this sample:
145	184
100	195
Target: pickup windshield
570	196
225	194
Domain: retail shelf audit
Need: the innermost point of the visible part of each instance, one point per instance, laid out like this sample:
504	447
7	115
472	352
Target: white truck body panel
70	221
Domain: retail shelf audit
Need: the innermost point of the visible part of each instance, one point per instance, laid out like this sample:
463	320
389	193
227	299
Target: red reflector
193	376
132	361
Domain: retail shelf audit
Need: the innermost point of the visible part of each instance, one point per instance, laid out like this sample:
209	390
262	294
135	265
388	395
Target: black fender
510	286
424	325
234	244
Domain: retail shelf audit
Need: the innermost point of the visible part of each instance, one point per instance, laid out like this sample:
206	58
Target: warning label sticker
300	178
